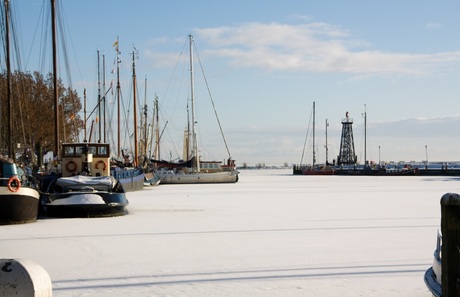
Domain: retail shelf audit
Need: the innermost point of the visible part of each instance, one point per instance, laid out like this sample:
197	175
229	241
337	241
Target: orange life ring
12	180
71	166
103	163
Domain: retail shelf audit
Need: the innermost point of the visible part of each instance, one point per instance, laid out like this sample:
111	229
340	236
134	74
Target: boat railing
122	174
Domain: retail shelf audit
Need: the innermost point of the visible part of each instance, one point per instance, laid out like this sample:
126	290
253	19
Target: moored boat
84	187
18	195
210	172
194	170
151	179
131	178
314	169
432	276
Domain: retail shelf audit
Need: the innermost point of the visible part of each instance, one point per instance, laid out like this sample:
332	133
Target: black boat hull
112	204
430	281
18	207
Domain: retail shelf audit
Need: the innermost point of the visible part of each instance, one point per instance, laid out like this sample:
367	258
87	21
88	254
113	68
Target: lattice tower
347	154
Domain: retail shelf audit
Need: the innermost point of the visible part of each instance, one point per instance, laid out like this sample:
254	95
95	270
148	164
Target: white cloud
433	26
316	47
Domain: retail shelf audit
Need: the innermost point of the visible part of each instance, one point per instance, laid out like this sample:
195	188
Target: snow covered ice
270	234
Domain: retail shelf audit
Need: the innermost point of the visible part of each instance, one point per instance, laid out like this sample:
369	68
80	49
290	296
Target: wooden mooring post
450	228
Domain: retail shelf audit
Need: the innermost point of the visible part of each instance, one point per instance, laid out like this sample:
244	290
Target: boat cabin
9	173
92	159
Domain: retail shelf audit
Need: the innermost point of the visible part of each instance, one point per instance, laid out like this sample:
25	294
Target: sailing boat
128	173
315	169
81	185
150	176
194	170
19	198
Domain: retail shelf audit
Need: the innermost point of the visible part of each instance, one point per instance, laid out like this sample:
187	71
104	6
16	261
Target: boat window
102	150
78	150
91	150
69	151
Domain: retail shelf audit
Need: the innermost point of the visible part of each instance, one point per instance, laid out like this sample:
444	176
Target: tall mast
192	92
136	148
99	94
327	149
84	114
145	119
103	98
11	153
365	136
55	79
314	148
118	102
157	133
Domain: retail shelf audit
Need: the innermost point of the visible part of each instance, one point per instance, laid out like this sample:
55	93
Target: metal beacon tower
347	154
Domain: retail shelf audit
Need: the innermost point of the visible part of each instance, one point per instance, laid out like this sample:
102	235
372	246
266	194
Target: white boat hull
169	177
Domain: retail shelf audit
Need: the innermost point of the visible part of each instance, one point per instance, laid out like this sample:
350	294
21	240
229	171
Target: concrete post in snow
23	278
450	228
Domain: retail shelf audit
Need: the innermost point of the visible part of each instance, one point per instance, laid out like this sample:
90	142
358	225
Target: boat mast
314	119
99	94
103	98
8	79
327	149
365	136
118	101
84	114
157	130
144	152
55	79
192	90
136	148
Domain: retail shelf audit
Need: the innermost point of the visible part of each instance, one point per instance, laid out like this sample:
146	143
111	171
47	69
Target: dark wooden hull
82	199
113	204
85	211
318	172
18	207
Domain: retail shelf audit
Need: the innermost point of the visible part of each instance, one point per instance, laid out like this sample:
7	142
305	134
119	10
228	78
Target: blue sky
267	61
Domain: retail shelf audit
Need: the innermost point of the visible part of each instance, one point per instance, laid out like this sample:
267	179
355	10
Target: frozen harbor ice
270	234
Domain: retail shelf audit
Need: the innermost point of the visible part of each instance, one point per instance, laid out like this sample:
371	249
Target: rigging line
45	32
126	113
34	35
110	132
15	36
212	101
63	42
175	70
16	45
97	105
306	137
65	25
3	34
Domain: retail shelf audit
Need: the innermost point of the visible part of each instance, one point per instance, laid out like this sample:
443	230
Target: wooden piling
450	228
